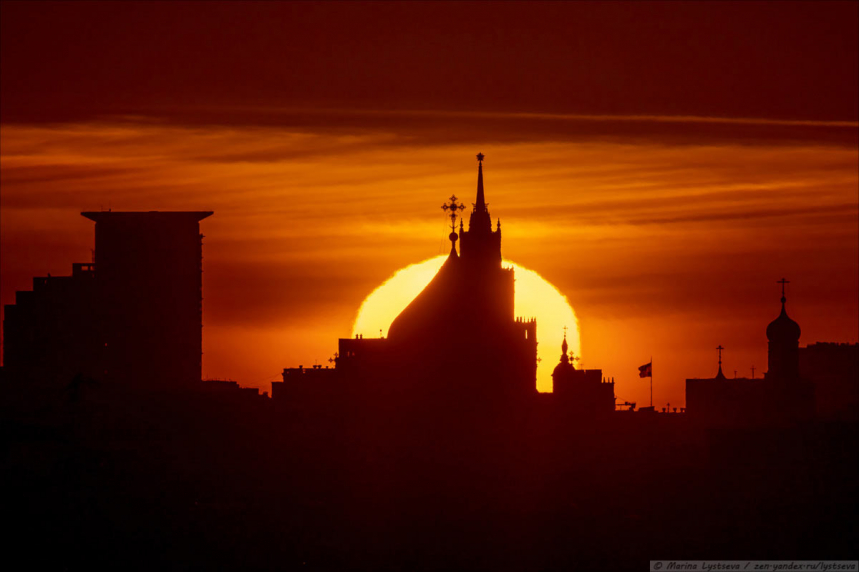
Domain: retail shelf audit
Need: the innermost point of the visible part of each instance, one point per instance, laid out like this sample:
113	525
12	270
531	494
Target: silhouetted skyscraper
149	281
133	316
458	339
462	327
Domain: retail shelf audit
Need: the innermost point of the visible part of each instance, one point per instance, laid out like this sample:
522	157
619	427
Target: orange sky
665	219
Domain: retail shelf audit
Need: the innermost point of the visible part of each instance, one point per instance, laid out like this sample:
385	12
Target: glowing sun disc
536	297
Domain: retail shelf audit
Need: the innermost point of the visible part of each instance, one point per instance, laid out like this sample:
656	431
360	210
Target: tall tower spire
480	205
480	244
480	220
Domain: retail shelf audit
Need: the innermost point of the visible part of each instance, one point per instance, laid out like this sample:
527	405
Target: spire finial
453	207
720	375
480	205
783	282
564	348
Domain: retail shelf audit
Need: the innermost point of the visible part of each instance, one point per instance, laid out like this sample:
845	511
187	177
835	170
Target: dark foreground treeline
103	478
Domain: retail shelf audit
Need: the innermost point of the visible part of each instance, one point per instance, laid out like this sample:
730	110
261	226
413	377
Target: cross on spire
720	375
783	282
564	348
453	207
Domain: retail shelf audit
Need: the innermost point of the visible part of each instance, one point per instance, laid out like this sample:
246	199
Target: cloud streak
307	222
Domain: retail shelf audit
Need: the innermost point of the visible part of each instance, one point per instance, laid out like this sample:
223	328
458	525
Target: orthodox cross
720	348
453	207
783	282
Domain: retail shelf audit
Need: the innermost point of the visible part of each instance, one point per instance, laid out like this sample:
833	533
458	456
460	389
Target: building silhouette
132	316
457	341
51	333
783	395
581	391
833	368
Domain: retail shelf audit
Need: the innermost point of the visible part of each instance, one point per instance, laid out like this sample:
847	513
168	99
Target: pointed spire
564	348
480	222
720	375
480	205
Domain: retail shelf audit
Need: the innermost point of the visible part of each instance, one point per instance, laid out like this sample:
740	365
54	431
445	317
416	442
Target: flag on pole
646	370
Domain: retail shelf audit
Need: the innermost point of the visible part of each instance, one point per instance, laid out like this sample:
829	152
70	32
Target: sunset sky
661	164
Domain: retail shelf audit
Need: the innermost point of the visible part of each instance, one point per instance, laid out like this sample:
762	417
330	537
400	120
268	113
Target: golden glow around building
535	298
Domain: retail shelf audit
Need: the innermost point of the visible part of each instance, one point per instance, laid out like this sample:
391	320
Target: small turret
783	343
783	329
564	366
720	375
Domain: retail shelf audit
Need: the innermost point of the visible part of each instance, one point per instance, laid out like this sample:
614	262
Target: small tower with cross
720	375
783	343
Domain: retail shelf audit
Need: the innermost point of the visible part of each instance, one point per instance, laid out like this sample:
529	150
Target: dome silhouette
783	329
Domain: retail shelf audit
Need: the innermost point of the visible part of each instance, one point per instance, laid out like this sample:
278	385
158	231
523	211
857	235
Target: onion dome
783	329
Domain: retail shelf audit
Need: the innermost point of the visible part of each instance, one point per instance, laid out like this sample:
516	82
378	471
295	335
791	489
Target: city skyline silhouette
198	205
663	219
